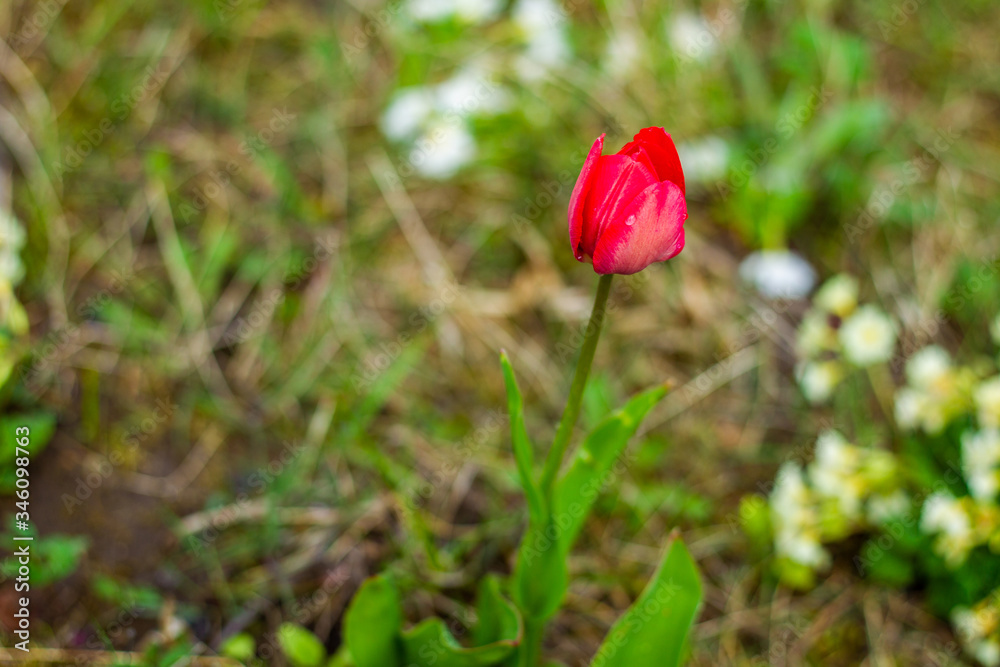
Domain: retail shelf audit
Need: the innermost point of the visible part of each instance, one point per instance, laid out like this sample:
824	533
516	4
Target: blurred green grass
216	214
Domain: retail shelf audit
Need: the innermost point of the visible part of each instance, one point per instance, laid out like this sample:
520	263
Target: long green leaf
654	630
372	625
578	488
523	455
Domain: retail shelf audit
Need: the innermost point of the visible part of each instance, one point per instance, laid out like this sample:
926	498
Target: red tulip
628	210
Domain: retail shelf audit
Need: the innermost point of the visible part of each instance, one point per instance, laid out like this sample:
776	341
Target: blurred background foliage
259	260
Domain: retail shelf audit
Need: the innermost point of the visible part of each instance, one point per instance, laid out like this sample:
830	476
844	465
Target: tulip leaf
654	630
497	635
372	625
577	489
498	619
300	646
523	455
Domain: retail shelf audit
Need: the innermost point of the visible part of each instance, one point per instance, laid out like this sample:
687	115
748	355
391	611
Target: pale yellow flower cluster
978	628
837	333
848	489
960	525
936	391
845	489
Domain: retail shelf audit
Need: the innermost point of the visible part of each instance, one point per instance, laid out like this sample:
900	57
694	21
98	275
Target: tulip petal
618	179
661	151
650	229
579	196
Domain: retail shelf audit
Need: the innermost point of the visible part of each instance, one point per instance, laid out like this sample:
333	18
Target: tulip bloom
628	210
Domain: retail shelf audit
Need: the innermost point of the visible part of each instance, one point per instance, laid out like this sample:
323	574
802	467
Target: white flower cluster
848	489
845	489
837	333
960	525
979	629
433	120
936	391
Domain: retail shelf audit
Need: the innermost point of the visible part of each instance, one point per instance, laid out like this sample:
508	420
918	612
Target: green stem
531	647
553	461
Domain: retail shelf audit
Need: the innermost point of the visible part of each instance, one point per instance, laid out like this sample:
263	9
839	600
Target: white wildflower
622	55
692	37
11	241
704	159
838	295
818	380
815	335
980	459
945	515
987	652
795	519
442	150
966	623
868	336
471	91
987	398
909	407
834	472
778	274
803	548
543	23
885	508
407	113
929	367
